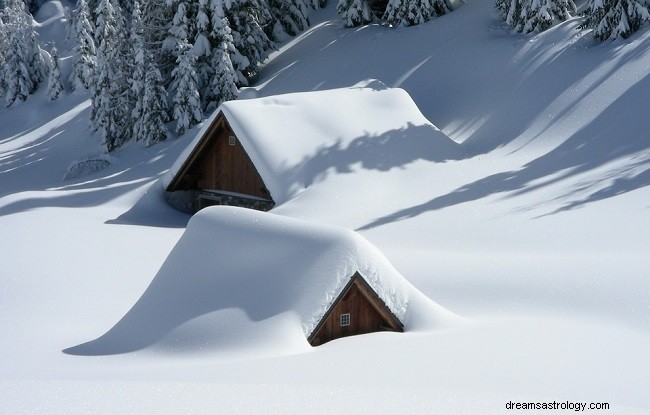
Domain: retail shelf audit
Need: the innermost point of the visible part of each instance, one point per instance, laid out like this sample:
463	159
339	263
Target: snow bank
241	279
294	139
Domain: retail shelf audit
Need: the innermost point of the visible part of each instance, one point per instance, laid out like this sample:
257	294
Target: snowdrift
240	279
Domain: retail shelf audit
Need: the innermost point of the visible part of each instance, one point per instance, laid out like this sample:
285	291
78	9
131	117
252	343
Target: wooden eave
370	295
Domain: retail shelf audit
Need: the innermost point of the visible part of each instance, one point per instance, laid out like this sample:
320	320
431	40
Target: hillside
535	232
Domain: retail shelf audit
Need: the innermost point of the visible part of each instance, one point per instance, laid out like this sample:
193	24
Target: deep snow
538	235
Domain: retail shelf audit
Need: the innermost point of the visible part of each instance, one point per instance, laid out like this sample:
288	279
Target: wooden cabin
357	310
220	172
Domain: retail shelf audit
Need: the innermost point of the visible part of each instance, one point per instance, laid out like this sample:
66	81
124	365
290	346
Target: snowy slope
537	233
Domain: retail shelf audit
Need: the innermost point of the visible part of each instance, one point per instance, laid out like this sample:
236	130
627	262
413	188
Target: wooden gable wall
367	311
220	163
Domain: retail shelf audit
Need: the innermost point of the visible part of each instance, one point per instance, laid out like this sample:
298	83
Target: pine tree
223	84
111	106
83	69
354	12
610	19
413	12
246	18
54	85
187	103
157	18
137	80
24	67
534	15
511	12
4	44
290	16
538	15
154	106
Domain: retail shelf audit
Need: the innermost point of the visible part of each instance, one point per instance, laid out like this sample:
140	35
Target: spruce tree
137	80
187	104
154	106
24	66
246	18
534	15
354	12
413	12
223	84
4	37
610	19
111	106
83	69
54	85
157	18
290	17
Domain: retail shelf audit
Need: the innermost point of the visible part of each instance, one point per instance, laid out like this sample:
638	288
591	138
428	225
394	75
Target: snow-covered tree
610	19
24	67
223	83
511	12
4	36
154	105
413	12
187	103
534	15
85	64
157	17
290	17
137	80
354	12
246	18
54	85
111	106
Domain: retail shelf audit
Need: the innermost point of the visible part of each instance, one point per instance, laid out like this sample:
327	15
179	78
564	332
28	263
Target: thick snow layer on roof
294	138
240	277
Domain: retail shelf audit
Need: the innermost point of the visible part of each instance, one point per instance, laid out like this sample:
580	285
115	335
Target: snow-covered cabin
240	279
261	152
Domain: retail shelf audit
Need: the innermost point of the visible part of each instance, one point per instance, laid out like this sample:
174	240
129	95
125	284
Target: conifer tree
413	12
137	80
24	67
354	12
187	104
154	106
534	15
610	19
223	84
54	85
290	16
157	17
111	107
83	69
4	36
250	40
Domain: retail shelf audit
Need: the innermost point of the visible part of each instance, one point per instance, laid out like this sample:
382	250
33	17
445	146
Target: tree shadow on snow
393	149
612	152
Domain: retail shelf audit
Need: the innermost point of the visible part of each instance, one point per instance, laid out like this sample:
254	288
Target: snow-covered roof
288	137
258	277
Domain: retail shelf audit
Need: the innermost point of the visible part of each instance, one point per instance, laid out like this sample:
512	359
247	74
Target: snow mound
242	279
300	138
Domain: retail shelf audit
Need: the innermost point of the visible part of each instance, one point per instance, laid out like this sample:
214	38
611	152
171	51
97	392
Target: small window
232	140
345	319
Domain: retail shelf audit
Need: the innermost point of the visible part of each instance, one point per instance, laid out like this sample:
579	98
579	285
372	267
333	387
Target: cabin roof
288	137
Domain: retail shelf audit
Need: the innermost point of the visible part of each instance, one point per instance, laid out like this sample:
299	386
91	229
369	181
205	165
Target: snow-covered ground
536	232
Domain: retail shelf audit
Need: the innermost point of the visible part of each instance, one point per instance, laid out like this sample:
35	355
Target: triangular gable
219	162
366	313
